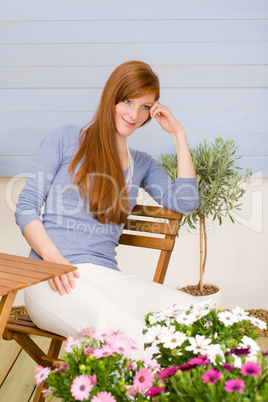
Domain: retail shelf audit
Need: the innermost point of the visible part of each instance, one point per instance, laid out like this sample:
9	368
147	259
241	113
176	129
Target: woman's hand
64	283
165	118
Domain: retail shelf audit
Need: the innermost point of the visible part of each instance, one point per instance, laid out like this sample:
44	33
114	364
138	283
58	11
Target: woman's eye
127	101
146	107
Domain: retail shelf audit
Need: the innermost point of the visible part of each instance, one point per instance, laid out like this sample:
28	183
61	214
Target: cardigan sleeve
180	195
44	169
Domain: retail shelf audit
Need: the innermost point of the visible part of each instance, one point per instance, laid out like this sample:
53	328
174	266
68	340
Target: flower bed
200	354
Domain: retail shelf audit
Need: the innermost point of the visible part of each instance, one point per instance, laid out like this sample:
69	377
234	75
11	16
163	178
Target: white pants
103	298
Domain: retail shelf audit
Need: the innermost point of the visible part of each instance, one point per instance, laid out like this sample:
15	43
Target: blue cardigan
78	236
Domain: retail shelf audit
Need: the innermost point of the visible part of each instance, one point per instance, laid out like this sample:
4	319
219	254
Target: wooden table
17	273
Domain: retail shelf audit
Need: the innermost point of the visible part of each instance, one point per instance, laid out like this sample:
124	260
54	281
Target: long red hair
100	176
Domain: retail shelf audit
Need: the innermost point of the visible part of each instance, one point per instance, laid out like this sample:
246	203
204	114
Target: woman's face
130	114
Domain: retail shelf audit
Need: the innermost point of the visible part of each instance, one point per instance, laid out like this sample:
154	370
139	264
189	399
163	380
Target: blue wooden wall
211	57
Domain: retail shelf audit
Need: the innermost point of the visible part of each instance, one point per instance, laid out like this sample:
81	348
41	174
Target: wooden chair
155	220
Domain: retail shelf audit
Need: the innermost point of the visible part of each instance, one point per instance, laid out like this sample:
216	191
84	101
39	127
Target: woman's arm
36	236
170	124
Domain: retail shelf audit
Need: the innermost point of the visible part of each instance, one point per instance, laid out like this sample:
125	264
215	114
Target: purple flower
250	369
212	376
186	367
234	385
154	391
228	367
168	371
241	351
198	361
265	352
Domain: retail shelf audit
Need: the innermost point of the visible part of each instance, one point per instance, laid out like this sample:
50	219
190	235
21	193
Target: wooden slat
152	53
147	242
174	76
14	278
152	227
20	272
33	261
30	328
155	212
31	267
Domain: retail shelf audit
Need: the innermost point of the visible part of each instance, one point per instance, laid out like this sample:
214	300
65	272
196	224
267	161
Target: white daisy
258	323
153	333
249	343
237	361
199	313
212	351
153	319
240	313
199	344
208	304
186	319
227	318
172	340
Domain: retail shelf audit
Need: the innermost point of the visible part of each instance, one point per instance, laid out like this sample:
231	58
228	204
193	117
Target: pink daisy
131	390
120	344
70	342
106	350
93	379
211	376
81	387
234	385
103	396
143	379
150	363
41	374
131	365
154	391
198	361
87	332
250	369
88	351
103	334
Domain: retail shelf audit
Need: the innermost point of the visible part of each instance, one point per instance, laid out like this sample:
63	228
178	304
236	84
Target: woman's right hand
35	234
64	283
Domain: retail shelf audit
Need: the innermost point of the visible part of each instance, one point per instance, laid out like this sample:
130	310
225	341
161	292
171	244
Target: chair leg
39	396
53	353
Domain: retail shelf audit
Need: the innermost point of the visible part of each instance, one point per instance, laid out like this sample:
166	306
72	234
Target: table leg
6	304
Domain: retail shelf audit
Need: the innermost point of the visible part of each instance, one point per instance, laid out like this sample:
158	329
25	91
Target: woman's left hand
165	118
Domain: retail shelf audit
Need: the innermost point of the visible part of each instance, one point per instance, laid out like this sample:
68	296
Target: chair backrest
165	222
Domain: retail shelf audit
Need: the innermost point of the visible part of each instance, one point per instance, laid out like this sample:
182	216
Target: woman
89	181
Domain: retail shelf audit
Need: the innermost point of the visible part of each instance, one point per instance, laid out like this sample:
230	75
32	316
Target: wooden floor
17	381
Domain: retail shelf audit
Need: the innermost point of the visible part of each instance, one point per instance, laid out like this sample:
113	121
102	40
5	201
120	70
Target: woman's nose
134	113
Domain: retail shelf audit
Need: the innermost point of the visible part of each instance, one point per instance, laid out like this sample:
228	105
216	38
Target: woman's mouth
128	123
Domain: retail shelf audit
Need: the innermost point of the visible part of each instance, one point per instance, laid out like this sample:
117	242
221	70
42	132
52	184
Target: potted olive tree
220	188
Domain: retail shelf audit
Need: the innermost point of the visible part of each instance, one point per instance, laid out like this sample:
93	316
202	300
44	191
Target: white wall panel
153	53
211	58
249	76
201	123
182	100
28	10
137	31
